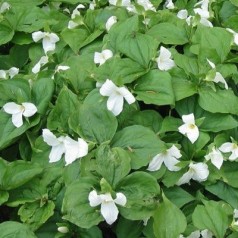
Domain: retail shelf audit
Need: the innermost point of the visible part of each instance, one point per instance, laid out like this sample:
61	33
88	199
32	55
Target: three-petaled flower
101	58
189	128
164	60
108	209
116	96
17	111
169	158
232	148
216	157
64	145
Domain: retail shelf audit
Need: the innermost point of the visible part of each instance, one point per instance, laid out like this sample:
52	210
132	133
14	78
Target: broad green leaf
6	33
93	232
16	230
229	174
141	191
168	33
170	124
4	195
155	88
112	164
169	221
212	216
141	143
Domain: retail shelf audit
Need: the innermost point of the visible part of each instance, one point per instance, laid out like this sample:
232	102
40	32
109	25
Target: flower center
234	146
191	126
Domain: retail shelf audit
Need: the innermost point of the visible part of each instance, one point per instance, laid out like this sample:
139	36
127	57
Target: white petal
185	178
206	234
3	74
166	65
182	14
170	162
71	150
97	57
201	171
174	151
43	60
62	67
188	118
17	119
110	22
50	138
183	129
107	54
115	104
211	64
193	134
164	53
156	162
30	109
120	199
36	36
83	148
53	37
109	211
13	108
48	45
169	4
56	153
204	14
72	24
233	156
108	88
235	213
94	199
127	95
226	147
216	158
4	7
205	22
13	71
195	234
219	78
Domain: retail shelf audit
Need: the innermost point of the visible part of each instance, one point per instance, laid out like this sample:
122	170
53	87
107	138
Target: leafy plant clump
118	118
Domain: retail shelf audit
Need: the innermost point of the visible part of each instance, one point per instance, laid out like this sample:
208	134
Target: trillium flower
4	74
183	14
17	111
43	60
189	128
72	24
101	58
108	209
110	22
116	96
198	172
169	158
64	145
164	60
235	35
216	157
123	3
147	5
169	4
232	148
5	6
48	40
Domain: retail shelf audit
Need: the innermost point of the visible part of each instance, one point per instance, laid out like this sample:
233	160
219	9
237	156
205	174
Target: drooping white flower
216	157
147	5
4	74
17	111
64	145
235	35
101	58
198	172
169	4
232	148
189	128
169	158
164	60
48	40
76	12
183	14
116	96
43	60
4	7
110	22
108	210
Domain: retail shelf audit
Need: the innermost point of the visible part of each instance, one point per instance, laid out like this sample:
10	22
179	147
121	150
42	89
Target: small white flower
189	128
198	172
123	3
48	40
4	74
164	60
43	60
235	35
101	58
147	5
72	24
63	229
17	111
216	157
232	148
64	145
116	96
169	158
76	11
169	4
5	6
110	22
108	210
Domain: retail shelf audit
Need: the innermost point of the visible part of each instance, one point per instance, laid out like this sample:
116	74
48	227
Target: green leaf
155	88
141	143
4	195
169	221
212	216
168	33
6	34
229	174
112	164
16	230
141	190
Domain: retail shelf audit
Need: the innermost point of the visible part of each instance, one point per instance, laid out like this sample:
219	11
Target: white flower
164	60
206	234
4	7
183	14
48	40
4	74
110	22
17	111
116	96
76	11
101	58
63	229
92	5
123	3
43	60
72	24
232	148
198	172
235	35
147	5
189	128
64	145
108	209
62	68
169	158
195	234
216	157
169	4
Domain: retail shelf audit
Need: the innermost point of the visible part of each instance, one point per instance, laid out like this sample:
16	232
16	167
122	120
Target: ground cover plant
118	118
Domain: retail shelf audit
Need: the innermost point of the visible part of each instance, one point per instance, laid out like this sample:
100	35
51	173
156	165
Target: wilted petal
115	104
120	199
94	199
36	36
109	211
185	178
29	109
17	119
56	153
110	22
226	147
201	171
49	137
127	95
156	162
12	108
108	88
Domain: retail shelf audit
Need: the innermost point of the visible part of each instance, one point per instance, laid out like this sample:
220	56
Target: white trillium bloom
17	111
183	14
189	128
76	11
169	158
108	209
101	58
198	172
48	40
216	157
169	4
4	74
235	35
146	4
123	3
43	60
110	22
4	7
164	60
116	96
232	148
